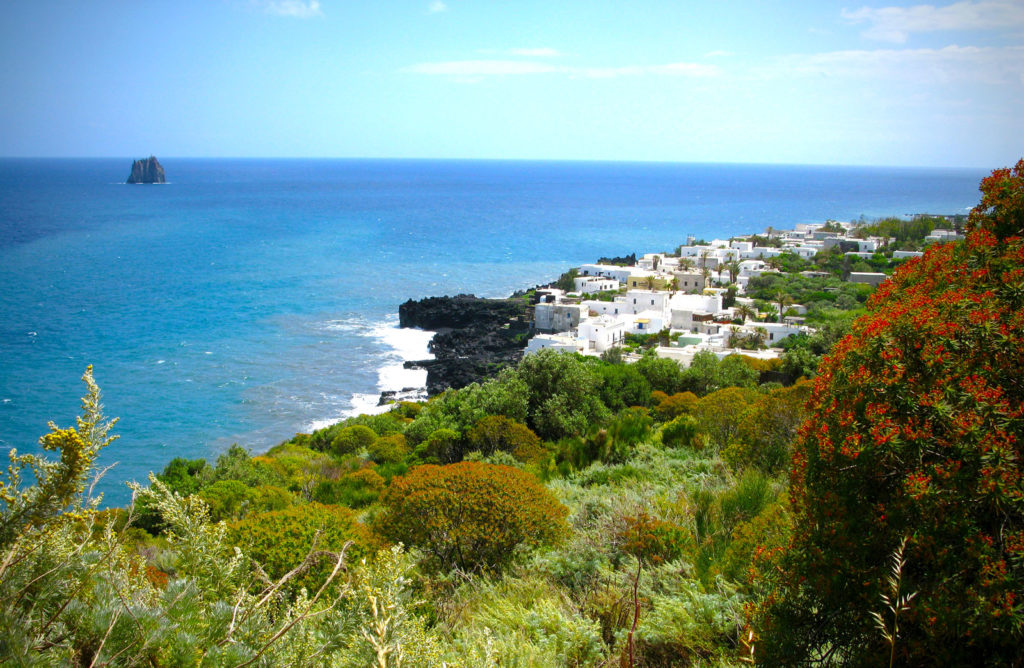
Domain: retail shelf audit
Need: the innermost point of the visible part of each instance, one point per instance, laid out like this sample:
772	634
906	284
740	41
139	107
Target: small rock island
147	171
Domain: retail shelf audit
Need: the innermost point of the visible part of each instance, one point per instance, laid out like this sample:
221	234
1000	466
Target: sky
748	81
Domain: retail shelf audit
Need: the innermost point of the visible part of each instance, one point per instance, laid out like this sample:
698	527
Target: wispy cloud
302	9
436	7
541	52
482	68
476	68
993	65
895	24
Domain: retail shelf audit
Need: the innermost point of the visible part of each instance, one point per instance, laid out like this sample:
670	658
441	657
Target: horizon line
511	160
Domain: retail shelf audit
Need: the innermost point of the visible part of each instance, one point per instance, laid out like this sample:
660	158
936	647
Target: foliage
353	439
388	449
767	428
355	490
281	539
497	433
720	413
186	476
470	515
74	592
670	407
563	393
565	281
57	484
680	432
664	375
624	386
915	431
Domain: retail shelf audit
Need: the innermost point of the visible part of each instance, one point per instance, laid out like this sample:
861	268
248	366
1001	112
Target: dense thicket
915	438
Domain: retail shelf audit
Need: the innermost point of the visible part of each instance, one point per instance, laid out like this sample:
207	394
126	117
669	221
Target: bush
389	449
281	539
355	490
680	432
915	434
353	440
670	407
470	515
498	433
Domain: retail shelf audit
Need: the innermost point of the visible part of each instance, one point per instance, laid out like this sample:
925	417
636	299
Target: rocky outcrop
475	337
147	171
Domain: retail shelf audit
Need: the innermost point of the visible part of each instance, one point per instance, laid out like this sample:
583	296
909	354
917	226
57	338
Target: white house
621	274
560	342
589	284
602	332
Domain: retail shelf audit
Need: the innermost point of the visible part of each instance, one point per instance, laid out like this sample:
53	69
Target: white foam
401	345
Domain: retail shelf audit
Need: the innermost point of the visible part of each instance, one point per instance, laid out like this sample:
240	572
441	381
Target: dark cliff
475	337
147	171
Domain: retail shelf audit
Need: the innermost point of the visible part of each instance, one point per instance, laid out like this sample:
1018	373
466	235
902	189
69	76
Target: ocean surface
247	300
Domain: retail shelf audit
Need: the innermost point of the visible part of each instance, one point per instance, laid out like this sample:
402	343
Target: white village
693	299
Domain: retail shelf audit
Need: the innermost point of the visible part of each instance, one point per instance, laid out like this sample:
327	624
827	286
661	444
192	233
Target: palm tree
734	269
686	263
783	300
744	312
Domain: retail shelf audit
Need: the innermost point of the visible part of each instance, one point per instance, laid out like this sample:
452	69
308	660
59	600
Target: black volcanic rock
147	171
475	337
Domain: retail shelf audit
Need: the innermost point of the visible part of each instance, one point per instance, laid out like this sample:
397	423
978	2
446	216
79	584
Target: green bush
470	515
280	540
353	440
388	449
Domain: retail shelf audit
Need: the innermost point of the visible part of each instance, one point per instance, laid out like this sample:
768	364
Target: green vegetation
585	512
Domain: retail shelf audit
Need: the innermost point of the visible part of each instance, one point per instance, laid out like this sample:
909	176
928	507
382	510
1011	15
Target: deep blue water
247	300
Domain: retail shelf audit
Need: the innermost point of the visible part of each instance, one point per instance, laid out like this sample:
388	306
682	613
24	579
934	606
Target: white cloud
471	68
437	6
895	24
993	65
303	9
479	68
542	52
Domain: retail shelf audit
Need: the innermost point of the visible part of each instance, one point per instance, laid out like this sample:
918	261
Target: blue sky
816	82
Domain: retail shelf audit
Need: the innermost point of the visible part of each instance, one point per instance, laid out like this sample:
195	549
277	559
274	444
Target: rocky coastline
475	337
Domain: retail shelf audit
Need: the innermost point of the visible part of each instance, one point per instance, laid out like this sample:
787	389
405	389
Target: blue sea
247	300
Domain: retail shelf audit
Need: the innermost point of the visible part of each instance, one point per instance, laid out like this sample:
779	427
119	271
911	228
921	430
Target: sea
246	300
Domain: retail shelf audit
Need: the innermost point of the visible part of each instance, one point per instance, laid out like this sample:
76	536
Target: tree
915	434
563	393
470	515
744	312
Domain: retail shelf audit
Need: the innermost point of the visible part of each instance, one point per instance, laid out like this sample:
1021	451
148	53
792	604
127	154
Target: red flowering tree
916	430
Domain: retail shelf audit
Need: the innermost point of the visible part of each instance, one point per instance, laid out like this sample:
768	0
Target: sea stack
146	171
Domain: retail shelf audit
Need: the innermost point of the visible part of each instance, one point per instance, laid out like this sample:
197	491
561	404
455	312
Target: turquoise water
247	300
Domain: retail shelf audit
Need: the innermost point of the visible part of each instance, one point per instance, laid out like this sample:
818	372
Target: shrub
719	414
443	446
670	407
498	433
352	440
279	540
470	515
915	433
388	449
680	432
768	428
355	490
